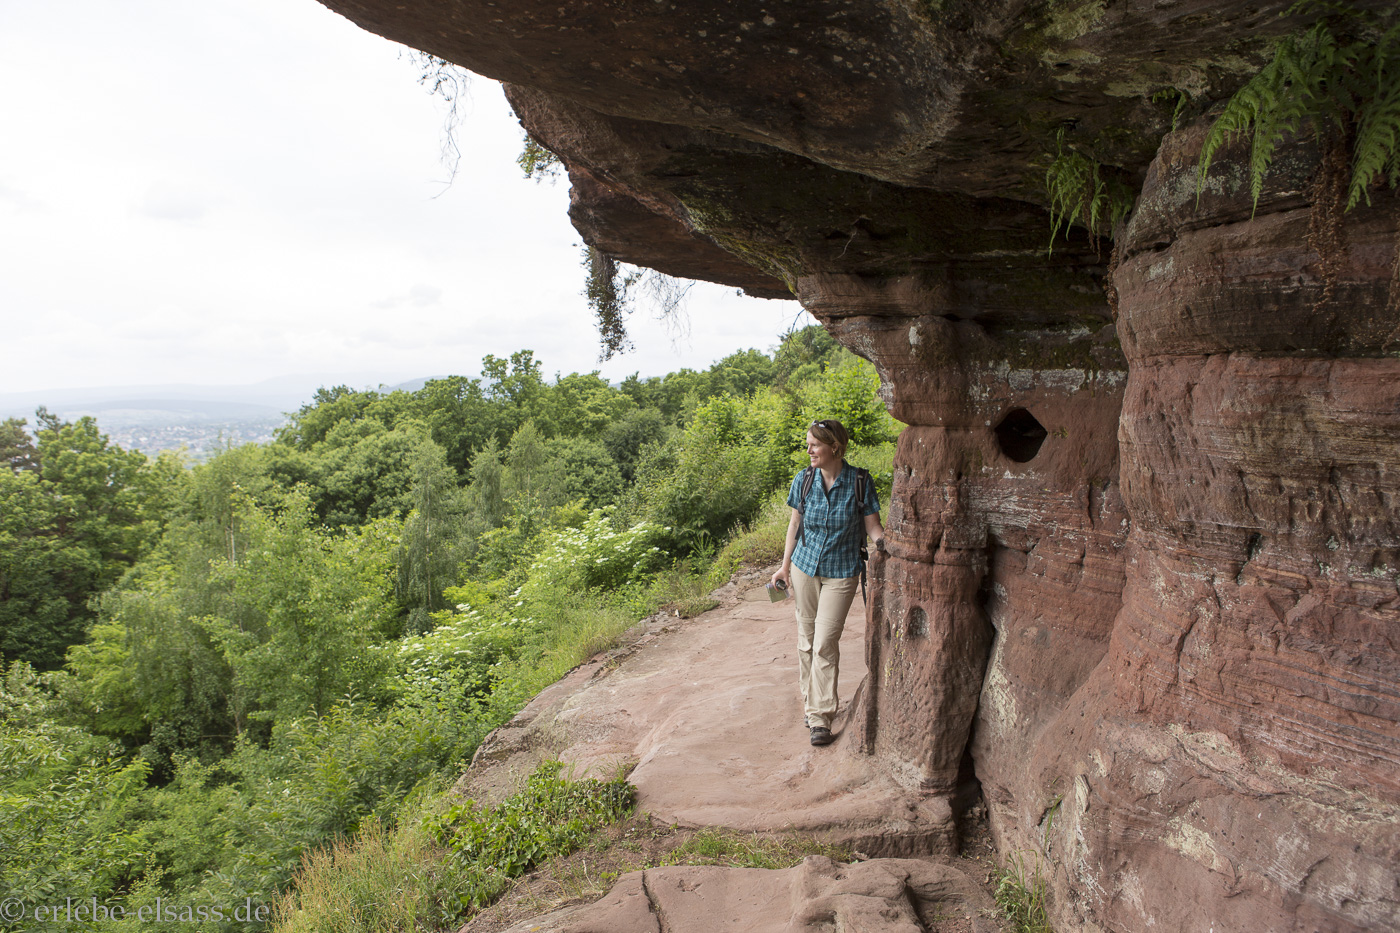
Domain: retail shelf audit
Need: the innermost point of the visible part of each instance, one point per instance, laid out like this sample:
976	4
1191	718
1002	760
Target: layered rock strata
1144	575
1240	736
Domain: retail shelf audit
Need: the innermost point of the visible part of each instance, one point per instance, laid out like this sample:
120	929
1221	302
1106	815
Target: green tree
803	354
430	548
309	425
849	392
43	571
364	470
742	373
581	406
526	458
70	529
460	418
17	447
715	475
579	469
514	386
625	438
311	604
486	496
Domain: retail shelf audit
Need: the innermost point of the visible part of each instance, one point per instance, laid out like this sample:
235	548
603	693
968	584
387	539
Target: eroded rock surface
1144	530
882	896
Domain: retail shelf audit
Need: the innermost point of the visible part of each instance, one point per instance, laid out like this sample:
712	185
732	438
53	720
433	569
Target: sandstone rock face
1246	711
888	896
1145	538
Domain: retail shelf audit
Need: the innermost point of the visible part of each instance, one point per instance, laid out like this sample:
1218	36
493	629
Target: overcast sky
225	191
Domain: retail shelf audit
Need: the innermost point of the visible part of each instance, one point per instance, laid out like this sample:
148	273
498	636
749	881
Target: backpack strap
862	490
808	476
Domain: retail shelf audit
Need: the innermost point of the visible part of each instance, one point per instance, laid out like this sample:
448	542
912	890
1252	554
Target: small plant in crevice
610	292
1177	98
606	292
1340	80
1082	192
1021	893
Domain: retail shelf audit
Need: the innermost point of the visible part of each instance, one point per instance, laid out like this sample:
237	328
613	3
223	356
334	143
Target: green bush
714	476
596	556
465	650
551	816
67	803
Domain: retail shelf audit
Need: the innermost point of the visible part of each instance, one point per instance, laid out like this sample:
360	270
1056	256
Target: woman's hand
780	579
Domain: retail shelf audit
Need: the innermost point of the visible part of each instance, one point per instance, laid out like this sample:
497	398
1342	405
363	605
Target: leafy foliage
537	162
1082	192
549	817
1339	76
597	556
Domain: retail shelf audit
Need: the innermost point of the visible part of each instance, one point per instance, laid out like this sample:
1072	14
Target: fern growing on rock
1082	192
1340	78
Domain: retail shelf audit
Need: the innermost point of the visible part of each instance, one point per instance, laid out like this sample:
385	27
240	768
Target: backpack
863	481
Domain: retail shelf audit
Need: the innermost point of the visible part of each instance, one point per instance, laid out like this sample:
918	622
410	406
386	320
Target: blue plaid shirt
831	531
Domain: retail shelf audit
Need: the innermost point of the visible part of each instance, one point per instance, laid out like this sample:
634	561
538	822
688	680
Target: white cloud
166	201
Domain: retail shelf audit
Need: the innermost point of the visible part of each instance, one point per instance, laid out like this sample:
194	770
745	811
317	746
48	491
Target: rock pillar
1005	525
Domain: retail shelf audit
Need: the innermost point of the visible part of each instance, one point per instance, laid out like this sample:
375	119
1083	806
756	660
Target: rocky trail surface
708	709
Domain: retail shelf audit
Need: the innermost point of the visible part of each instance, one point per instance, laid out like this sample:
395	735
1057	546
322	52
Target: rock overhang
881	137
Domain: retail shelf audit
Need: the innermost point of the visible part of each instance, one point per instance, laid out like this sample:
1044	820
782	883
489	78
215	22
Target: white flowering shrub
466	649
597	556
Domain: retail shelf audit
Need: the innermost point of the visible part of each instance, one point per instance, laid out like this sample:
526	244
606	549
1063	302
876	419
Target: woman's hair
832	433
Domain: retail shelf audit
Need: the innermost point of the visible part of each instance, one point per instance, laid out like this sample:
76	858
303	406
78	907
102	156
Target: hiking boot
821	735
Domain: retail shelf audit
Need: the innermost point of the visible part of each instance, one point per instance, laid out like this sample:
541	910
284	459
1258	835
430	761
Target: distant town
195	421
197	441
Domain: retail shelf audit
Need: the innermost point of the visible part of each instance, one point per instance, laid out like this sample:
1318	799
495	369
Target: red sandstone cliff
1145	580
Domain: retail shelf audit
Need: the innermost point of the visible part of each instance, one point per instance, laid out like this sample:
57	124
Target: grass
1021	894
381	880
684	589
750	850
444	867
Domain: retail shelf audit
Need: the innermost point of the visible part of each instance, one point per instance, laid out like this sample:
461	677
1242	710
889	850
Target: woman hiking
834	507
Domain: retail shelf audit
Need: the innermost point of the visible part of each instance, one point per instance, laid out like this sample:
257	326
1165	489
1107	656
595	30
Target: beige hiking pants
822	604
